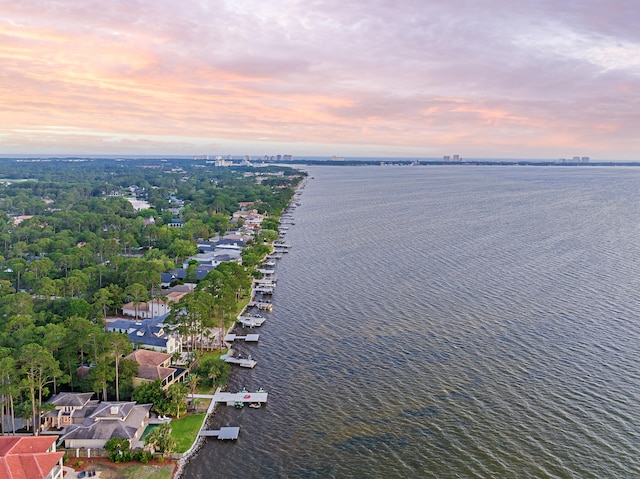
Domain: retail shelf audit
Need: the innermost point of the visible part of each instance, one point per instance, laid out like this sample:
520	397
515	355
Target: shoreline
187	456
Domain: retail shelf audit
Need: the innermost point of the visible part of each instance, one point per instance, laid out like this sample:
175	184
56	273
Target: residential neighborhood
123	298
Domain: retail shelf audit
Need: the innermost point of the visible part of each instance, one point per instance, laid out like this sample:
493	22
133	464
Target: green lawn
185	430
146	472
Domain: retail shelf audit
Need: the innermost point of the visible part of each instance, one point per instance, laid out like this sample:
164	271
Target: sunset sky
403	78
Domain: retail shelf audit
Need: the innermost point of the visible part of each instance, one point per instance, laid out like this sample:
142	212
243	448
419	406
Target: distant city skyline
535	79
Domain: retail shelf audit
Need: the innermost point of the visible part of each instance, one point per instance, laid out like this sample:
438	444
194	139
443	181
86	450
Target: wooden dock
224	433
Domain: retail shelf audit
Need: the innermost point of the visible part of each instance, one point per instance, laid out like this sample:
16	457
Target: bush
141	456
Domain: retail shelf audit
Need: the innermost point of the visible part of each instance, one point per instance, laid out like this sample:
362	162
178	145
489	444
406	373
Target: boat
238	404
254	405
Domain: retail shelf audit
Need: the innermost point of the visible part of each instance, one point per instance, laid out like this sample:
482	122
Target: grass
107	470
185	430
146	472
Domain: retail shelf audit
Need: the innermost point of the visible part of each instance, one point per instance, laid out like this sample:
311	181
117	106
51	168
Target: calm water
449	322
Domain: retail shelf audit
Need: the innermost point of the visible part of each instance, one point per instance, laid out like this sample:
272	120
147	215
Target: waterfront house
154	308
30	457
147	333
153	365
124	420
70	408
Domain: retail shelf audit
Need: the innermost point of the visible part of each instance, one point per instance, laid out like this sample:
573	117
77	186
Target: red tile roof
26	457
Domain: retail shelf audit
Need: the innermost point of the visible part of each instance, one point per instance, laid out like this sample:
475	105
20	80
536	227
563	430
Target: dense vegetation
73	249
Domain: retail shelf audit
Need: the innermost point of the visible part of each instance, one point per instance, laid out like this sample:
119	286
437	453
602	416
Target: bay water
448	322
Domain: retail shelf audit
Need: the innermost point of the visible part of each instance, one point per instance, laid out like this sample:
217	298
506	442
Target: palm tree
137	293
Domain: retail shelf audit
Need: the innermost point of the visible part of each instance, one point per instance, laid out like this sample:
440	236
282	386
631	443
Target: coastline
187	456
183	461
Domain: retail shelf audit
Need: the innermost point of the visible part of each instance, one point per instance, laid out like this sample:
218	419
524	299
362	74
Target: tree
190	316
100	375
161	439
6	288
17	266
8	389
102	300
176	396
119	449
181	248
77	282
38	367
41	267
78	344
45	288
137	294
151	393
192	382
127	371
214	370
54	336
119	345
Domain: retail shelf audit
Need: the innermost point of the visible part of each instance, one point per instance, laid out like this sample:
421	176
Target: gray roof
110	419
145	331
71	399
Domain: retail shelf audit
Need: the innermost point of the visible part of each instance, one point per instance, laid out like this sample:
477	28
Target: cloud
501	77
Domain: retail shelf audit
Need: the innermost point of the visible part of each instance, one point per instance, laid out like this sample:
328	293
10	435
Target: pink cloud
500	76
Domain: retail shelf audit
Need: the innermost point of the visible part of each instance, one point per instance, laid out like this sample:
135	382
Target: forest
73	249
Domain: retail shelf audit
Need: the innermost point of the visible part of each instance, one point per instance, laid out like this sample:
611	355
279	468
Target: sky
513	79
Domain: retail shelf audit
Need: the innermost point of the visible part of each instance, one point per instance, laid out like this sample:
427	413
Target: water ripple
448	323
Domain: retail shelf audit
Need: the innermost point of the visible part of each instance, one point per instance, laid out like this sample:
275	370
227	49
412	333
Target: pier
224	433
230	399
251	321
263	289
242	362
249	338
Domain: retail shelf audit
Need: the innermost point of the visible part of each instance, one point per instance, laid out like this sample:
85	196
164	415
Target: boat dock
251	321
249	338
242	362
230	399
263	289
224	433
